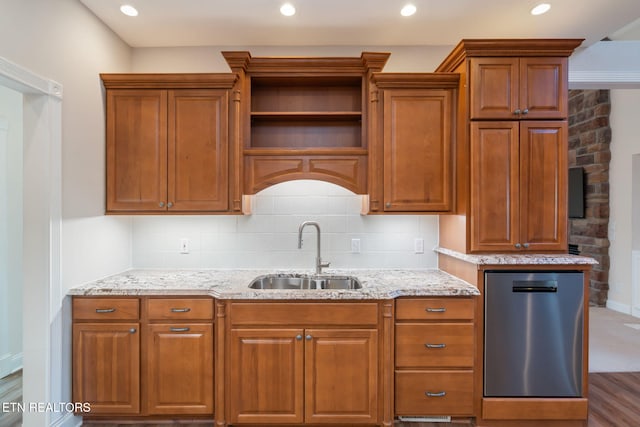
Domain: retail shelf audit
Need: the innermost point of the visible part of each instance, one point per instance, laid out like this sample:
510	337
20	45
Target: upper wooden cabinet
167	143
512	146
518	186
414	144
303	118
518	88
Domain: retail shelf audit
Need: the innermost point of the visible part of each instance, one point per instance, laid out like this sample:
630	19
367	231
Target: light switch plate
184	246
355	246
418	245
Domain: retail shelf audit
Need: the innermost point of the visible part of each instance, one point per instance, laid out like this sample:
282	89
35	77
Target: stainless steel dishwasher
533	330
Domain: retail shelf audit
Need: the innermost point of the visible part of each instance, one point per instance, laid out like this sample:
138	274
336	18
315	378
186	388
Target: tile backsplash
268	238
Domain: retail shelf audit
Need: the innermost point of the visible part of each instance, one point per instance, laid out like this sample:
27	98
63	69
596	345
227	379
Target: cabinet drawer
423	345
179	308
299	313
105	308
434	308
434	393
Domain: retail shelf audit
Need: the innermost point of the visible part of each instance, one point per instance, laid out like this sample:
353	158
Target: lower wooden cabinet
305	363
106	364
434	357
303	375
179	369
132	362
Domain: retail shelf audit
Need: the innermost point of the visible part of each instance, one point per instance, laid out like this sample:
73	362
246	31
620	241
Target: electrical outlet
184	246
355	246
418	245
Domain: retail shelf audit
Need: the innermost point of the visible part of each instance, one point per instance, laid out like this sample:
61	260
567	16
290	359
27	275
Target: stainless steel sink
286	281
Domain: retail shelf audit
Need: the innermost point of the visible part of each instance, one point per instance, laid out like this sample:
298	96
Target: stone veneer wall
589	142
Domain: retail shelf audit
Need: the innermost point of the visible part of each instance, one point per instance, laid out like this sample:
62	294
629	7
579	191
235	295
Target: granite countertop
234	284
518	259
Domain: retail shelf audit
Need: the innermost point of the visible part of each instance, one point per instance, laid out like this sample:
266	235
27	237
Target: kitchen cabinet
434	357
143	356
304	118
417	141
303	363
511	183
106	354
518	88
167	143
518	186
179	370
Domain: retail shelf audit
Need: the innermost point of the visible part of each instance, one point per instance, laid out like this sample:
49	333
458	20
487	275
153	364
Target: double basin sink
298	281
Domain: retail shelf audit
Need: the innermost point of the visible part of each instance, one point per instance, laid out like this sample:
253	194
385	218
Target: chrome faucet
319	264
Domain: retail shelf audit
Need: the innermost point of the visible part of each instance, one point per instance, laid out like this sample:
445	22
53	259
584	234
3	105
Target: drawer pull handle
180	310
435	345
439	394
105	310
436	310
179	329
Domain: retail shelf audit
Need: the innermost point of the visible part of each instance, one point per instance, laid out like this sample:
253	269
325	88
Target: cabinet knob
388	205
518	245
133	330
299	337
525	111
526	245
517	112
169	205
161	204
308	337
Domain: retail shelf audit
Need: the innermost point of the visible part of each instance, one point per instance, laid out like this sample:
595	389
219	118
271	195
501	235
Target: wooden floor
11	391
614	401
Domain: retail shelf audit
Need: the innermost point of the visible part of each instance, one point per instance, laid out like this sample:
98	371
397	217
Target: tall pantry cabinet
512	134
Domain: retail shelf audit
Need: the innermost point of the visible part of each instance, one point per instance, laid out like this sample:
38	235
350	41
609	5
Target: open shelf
306	112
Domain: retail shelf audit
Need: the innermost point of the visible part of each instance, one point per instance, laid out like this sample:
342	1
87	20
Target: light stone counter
519	259
234	284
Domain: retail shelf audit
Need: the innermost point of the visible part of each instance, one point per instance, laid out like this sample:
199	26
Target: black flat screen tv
576	192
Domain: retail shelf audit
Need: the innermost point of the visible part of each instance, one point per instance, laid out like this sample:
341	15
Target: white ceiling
163	23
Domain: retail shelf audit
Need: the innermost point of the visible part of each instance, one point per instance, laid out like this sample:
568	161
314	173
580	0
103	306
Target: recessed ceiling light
128	10
287	9
408	10
540	9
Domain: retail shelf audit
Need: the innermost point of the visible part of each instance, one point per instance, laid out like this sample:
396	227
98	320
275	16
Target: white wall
209	59
62	41
11	184
625	144
268	237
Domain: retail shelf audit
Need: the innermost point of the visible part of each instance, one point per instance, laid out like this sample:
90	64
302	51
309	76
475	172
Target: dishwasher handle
535	286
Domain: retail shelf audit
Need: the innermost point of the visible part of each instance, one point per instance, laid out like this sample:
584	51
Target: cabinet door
341	376
494	88
136	150
417	150
543	88
266	376
106	363
198	147
179	368
543	185
494	217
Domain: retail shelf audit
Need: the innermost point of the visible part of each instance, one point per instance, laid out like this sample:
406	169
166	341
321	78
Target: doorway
41	228
11	162
635	239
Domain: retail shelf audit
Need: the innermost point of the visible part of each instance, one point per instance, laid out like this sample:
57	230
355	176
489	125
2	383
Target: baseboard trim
619	307
67	420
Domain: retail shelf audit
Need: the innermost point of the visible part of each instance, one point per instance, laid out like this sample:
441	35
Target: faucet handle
324	264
